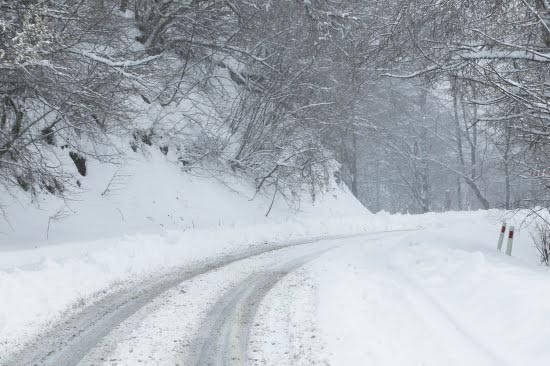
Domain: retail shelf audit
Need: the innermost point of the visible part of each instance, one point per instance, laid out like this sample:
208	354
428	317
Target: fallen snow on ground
286	332
434	297
150	194
38	285
166	331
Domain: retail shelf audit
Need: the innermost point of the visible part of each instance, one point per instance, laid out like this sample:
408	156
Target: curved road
224	333
226	330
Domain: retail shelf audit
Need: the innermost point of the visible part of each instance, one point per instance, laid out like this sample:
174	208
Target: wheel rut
225	334
67	342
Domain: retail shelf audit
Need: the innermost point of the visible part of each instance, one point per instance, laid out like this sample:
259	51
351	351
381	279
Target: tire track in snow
225	334
69	341
435	313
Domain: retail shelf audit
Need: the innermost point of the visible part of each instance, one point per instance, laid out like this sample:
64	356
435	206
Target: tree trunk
468	179
543	11
448	200
377	198
479	195
459	194
353	167
507	164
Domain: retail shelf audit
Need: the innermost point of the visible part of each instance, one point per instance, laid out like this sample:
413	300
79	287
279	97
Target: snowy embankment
439	296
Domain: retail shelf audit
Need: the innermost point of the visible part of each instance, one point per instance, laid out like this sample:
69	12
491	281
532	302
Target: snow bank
151	194
440	296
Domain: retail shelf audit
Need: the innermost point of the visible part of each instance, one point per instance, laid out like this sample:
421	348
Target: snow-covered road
390	298
97	334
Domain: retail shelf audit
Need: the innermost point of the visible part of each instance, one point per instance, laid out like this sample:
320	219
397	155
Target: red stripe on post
503	229
511	234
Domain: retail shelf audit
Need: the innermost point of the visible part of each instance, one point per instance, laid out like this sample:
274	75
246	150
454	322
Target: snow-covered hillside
56	254
149	193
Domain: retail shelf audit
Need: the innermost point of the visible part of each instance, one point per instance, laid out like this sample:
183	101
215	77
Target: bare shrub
541	238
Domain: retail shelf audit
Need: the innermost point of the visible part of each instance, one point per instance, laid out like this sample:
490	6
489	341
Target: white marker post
501	237
510	241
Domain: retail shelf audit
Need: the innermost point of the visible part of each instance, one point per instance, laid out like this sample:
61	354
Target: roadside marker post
501	237
510	241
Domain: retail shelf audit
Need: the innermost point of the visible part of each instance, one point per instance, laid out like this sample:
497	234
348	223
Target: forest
417	105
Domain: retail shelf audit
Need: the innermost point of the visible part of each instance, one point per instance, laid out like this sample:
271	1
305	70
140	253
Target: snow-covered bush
242	85
25	33
61	85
